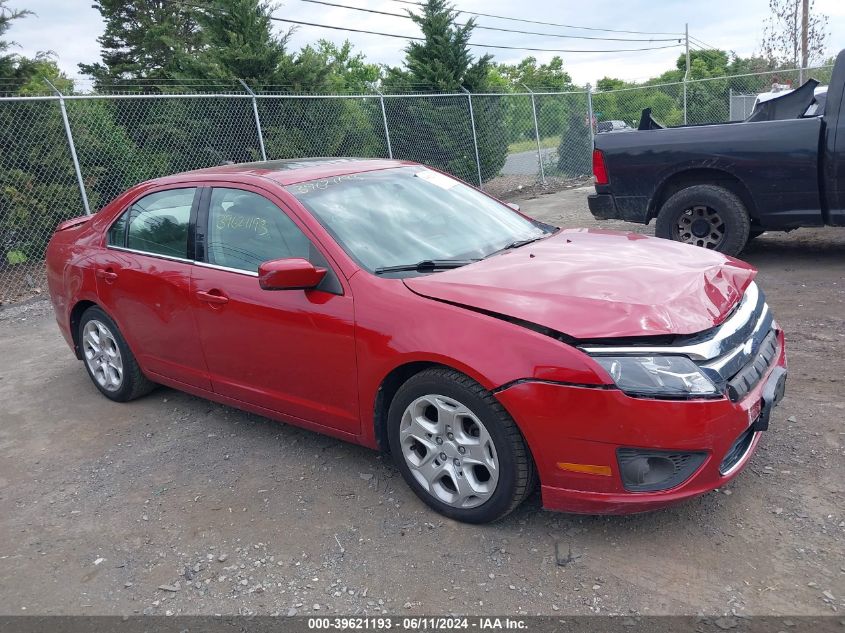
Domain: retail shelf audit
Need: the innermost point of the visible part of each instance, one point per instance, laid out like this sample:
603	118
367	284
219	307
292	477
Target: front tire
457	447
705	215
109	361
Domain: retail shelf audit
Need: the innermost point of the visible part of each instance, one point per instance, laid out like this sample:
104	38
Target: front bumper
566	424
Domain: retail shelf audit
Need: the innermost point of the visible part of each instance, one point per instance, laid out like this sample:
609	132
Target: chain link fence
698	101
62	155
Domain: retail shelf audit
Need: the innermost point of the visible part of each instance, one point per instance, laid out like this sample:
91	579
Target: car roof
289	171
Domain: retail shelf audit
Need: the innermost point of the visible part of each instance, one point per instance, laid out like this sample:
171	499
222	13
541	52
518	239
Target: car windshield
405	215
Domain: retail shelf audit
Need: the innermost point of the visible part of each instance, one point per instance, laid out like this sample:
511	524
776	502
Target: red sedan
388	304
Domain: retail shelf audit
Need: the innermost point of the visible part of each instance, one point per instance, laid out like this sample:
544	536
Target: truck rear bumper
602	206
606	206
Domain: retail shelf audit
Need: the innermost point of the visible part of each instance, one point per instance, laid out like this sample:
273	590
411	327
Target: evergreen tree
443	61
436	130
144	39
37	183
8	15
348	70
239	43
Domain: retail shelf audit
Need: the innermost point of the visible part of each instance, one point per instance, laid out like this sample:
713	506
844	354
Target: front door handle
106	274
212	296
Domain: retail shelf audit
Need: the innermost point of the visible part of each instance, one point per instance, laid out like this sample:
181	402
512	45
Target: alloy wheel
102	355
449	451
700	226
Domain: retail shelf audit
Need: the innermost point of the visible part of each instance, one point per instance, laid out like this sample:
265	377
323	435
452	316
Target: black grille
748	377
737	451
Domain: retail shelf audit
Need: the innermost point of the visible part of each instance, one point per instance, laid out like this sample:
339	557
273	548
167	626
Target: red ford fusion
388	304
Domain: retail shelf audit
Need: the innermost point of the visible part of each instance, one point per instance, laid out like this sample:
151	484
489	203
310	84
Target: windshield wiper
518	243
425	265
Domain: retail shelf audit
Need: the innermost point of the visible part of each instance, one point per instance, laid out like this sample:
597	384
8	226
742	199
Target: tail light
599	169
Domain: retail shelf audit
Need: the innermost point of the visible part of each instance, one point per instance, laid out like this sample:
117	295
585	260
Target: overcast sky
70	28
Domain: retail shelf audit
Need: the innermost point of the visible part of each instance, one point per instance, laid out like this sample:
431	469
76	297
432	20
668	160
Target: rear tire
108	360
487	470
705	215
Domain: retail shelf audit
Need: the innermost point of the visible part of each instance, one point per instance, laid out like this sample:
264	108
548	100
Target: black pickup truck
718	186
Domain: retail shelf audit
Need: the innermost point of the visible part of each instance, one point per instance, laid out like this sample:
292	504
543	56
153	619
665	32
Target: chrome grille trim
737	453
733	334
732	361
733	349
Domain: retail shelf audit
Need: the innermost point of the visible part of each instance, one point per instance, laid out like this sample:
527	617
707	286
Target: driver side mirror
289	274
514	206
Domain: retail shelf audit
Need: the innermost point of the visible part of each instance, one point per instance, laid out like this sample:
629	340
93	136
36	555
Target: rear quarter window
117	232
158	223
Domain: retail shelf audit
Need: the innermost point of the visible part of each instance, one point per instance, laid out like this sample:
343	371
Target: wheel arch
398	376
387	389
75	317
702	176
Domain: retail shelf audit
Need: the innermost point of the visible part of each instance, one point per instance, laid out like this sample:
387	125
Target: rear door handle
212	296
106	274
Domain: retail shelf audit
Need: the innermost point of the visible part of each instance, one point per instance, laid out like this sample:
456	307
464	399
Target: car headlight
666	376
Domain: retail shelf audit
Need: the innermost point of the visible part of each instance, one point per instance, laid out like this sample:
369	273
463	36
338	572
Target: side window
158	223
117	232
245	229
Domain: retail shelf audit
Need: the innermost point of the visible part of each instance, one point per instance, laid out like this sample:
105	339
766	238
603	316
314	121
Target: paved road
525	163
101	504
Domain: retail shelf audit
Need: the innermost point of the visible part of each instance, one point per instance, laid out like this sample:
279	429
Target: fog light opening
650	471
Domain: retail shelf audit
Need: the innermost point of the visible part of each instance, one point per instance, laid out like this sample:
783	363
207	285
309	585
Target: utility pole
805	22
686	74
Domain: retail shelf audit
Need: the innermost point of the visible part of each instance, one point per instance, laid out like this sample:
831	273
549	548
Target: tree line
164	46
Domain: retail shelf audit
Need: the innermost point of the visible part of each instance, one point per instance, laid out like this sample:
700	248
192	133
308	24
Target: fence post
386	129
731	104
474	137
537	135
257	119
590	115
686	73
73	156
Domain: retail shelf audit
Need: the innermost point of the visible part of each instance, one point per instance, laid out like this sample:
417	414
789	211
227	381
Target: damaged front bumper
584	439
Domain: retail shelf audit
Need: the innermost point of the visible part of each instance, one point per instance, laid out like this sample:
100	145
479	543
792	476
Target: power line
513	48
494	28
422	39
566	26
704	52
705	44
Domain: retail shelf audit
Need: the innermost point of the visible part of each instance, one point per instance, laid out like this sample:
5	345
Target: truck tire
705	215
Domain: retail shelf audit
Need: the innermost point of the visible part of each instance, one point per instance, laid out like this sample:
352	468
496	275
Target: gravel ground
173	504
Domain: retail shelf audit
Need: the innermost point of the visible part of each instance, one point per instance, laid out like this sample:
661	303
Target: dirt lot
172	504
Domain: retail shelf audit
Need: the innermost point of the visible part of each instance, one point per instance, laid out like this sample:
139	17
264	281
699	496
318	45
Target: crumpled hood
592	283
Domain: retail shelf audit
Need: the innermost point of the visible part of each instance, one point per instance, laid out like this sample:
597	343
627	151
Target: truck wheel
705	215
